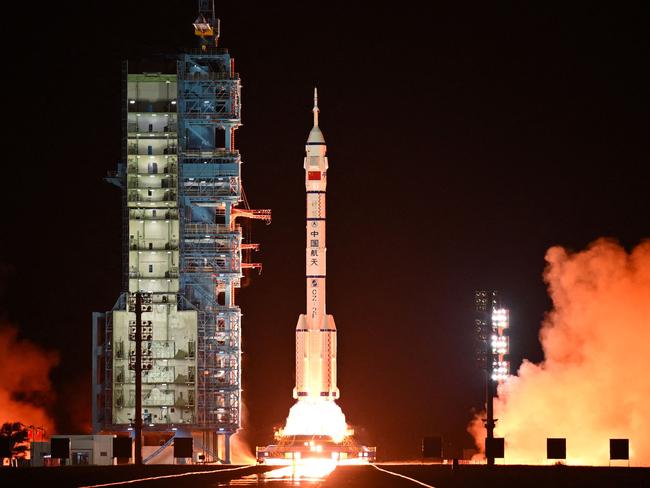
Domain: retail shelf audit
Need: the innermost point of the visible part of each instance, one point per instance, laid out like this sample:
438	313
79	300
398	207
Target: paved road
438	476
471	476
344	477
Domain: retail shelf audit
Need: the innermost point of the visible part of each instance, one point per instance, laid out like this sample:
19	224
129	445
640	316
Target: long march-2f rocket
316	331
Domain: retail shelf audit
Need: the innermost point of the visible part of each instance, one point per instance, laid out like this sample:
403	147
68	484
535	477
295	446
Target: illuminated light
500	318
173	102
131	102
300	469
316	417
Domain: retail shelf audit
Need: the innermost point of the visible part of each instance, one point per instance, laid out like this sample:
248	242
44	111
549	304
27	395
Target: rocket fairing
316	331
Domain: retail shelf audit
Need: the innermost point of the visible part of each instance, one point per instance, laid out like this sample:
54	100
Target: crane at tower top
206	26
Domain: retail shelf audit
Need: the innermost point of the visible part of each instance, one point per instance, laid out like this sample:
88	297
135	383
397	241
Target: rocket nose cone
315	136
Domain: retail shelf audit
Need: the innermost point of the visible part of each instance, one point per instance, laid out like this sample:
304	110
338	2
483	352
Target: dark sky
462	144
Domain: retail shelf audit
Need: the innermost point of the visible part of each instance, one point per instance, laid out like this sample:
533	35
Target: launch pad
292	449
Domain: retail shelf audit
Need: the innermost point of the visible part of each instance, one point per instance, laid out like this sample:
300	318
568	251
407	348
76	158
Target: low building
84	449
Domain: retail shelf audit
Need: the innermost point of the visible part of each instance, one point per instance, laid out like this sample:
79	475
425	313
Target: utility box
73	449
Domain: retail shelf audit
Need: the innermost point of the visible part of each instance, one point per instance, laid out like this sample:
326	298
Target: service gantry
182	196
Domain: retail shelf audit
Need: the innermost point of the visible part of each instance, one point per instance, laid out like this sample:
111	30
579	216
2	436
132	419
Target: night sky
462	143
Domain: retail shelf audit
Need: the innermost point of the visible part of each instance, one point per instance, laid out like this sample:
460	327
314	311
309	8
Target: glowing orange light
319	417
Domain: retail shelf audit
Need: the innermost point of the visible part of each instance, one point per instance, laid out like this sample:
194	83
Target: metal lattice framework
182	244
210	252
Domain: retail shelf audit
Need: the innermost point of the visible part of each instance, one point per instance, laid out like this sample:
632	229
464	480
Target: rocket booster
316	331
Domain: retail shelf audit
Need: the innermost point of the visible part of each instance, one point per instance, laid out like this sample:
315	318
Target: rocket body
316	331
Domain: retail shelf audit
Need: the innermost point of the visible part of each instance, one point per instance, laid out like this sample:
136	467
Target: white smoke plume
594	383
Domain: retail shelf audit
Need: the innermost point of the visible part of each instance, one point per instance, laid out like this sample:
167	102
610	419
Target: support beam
138	379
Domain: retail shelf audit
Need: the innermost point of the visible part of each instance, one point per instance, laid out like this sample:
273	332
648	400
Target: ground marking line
168	476
401	476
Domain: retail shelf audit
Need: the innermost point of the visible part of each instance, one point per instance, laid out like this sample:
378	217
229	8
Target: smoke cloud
594	383
25	388
240	449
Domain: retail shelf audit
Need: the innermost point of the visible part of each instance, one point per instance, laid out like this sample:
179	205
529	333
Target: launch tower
182	194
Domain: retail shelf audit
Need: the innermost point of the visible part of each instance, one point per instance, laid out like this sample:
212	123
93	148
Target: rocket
316	331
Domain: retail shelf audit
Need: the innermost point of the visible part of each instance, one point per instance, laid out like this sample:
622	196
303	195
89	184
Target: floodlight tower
491	322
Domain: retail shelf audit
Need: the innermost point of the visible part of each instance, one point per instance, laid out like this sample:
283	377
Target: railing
142	246
152	276
201	172
211	76
158	451
140	215
209	269
134	150
211	191
145	107
170	197
210	229
229	115
148	184
217	153
207	51
152	134
133	170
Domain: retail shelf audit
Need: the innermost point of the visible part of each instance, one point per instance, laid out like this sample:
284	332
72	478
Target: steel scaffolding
180	177
211	244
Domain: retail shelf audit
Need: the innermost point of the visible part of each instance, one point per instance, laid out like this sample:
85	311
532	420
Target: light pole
491	322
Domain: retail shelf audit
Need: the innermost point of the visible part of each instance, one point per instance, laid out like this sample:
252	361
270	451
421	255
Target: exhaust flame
305	470
320	417
24	380
593	384
240	451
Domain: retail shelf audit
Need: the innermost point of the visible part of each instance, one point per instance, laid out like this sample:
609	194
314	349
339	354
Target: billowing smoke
240	449
594	383
25	389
